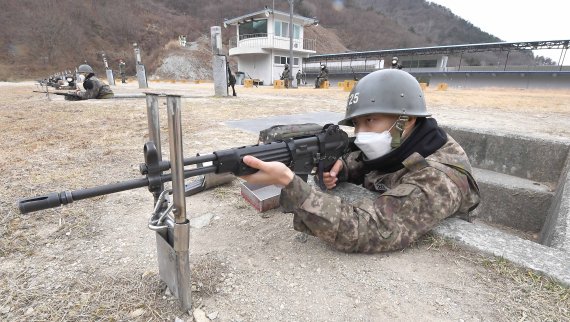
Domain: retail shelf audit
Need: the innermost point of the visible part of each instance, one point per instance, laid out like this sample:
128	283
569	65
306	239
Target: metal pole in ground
181	231
154	131
291	31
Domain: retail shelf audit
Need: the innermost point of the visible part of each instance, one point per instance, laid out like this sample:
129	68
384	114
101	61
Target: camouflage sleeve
90	93
353	170
393	221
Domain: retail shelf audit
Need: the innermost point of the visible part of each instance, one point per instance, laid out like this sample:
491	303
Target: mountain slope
42	37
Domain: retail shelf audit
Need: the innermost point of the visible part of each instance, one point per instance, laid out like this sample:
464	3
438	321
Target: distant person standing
299	77
122	71
286	75
231	79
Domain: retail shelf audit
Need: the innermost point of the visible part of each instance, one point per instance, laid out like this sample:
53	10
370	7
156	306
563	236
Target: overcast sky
517	20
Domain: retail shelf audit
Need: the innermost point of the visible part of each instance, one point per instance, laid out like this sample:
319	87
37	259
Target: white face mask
373	144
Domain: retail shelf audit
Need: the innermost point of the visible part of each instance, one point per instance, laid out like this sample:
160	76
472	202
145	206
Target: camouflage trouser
348	227
104	96
347	231
123	78
319	81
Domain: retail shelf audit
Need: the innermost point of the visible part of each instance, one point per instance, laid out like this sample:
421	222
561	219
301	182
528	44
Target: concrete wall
545	80
529	158
257	66
525	80
556	230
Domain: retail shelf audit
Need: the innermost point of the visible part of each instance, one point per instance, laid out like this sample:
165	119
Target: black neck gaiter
426	138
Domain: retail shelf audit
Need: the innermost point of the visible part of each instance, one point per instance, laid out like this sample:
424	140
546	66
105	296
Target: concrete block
531	158
548	261
348	85
511	201
220	76
556	231
278	83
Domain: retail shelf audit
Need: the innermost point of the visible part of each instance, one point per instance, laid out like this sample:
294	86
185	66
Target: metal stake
181	230
154	130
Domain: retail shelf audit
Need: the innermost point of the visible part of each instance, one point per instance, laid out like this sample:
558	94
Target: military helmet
85	69
387	91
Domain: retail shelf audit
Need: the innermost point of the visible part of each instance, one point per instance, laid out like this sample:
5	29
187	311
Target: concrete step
511	201
549	261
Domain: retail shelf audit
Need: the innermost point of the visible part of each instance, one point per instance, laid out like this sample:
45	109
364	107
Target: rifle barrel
56	199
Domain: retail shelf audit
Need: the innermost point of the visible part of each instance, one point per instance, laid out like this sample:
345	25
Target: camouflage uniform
411	201
323	76
299	76
285	77
122	71
99	90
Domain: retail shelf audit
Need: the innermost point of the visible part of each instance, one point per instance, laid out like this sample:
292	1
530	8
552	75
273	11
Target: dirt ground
96	259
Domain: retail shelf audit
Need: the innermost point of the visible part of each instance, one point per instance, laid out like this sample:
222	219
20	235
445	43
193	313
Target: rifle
301	154
68	96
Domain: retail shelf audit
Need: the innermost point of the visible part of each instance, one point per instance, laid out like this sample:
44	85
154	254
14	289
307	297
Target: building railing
263	40
347	67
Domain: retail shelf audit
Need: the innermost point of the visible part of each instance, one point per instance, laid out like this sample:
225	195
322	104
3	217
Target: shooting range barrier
325	85
442	86
348	85
278	84
524	215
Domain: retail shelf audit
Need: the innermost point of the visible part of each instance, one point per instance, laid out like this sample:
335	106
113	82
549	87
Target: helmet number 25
353	98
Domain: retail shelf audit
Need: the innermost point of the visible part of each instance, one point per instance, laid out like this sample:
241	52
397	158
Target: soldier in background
395	64
299	77
323	76
286	75
94	88
231	79
123	71
421	174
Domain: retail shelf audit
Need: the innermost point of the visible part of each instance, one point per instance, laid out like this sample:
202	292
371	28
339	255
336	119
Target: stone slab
511	201
530	158
548	261
556	230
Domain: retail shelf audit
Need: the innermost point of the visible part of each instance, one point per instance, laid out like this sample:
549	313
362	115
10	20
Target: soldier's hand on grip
330	178
269	172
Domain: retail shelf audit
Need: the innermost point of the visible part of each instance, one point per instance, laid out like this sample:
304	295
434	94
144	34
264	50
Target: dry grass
537	297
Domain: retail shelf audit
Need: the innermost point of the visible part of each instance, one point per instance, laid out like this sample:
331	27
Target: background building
262	44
